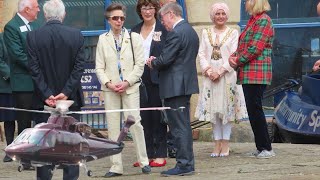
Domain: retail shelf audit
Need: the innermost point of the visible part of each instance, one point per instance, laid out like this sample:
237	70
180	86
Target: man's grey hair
23	4
174	7
54	10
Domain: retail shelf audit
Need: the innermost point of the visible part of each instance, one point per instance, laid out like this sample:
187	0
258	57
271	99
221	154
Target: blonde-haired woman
253	61
221	101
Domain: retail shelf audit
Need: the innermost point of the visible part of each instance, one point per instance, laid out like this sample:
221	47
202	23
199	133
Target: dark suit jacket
56	59
15	41
177	62
4	68
151	76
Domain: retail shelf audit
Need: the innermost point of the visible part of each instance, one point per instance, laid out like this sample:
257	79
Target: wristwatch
5	78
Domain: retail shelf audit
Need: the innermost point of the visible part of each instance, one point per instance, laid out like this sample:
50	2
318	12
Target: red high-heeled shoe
137	164
155	164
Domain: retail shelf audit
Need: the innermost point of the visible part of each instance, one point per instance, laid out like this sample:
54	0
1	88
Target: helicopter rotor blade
52	110
125	110
25	110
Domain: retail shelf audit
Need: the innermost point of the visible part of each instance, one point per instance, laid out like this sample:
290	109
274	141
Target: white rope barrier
94	111
25	110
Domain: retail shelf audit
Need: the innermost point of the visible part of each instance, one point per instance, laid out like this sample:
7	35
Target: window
82	14
289	10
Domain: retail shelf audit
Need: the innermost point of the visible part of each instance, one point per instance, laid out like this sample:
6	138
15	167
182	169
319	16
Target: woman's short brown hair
114	6
141	3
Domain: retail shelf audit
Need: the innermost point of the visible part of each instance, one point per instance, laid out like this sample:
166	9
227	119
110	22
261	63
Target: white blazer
107	61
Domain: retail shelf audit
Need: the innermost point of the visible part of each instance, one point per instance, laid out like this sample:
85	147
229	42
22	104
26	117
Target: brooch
156	36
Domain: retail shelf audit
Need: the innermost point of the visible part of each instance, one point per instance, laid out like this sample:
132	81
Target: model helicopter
63	141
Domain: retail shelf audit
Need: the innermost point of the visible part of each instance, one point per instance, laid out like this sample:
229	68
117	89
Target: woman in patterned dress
221	100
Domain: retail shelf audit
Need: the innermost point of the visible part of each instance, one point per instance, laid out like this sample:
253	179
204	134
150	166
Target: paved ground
292	162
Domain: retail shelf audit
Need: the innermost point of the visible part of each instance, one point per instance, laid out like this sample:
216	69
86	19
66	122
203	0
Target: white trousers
128	101
221	131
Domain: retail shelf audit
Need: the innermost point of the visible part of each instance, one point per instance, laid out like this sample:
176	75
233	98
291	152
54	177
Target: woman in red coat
252	60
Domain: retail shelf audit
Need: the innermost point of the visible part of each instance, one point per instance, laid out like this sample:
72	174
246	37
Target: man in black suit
178	81
56	59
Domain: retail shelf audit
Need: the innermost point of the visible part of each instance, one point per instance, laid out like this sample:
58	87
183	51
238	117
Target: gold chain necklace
216	52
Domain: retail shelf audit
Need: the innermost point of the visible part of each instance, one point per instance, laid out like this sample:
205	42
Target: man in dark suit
170	141
56	60
14	36
178	81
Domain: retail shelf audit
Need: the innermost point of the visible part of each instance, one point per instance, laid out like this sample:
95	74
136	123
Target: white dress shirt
147	44
26	22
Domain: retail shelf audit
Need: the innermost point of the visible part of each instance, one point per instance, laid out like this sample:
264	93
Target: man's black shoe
177	172
146	169
7	159
112	174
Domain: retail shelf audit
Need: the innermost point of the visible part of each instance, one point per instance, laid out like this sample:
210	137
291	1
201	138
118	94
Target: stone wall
1	14
7	10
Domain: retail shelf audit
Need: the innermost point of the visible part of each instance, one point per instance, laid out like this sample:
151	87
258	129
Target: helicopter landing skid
84	165
20	168
23	167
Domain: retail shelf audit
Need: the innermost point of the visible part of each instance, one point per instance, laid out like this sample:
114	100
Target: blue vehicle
297	113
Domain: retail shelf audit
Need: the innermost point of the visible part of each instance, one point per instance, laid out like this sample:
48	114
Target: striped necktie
29	26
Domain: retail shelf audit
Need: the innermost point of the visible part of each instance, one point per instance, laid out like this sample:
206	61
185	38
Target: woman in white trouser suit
119	72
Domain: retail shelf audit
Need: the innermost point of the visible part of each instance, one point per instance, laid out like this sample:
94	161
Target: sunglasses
116	18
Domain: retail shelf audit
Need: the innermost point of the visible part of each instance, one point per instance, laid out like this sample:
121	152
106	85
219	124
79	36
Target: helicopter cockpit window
36	137
67	138
33	136
50	140
23	136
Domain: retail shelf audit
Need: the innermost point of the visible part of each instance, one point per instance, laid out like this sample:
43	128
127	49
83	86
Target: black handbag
143	93
142	88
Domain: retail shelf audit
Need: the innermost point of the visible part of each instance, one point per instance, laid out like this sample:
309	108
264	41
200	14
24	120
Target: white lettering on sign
297	118
89	71
90	87
315	120
86	79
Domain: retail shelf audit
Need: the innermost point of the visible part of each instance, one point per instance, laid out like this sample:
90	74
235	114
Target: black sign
89	80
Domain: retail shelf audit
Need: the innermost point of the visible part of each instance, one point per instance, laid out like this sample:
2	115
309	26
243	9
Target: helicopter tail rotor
63	105
129	122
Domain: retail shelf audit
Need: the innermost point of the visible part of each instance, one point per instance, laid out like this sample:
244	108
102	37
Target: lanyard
118	44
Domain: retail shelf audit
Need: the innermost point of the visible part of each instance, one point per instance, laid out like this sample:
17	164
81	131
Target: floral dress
223	99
